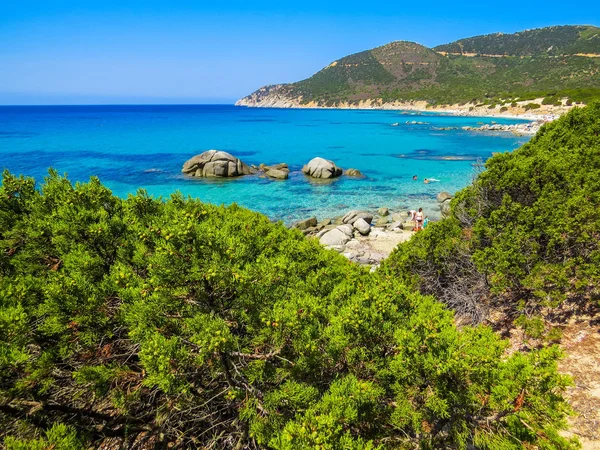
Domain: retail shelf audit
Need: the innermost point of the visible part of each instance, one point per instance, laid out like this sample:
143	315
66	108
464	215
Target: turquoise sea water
131	147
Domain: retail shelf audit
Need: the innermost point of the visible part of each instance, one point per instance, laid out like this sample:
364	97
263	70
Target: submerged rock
216	164
321	168
353	173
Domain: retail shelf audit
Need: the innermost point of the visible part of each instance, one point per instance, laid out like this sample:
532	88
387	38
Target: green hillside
552	41
539	63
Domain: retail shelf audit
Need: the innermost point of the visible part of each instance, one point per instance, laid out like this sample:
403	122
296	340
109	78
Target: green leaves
193	325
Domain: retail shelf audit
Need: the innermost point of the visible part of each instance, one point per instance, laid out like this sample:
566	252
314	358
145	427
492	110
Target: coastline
544	113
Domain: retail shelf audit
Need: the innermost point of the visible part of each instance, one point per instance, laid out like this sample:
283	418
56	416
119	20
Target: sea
144	147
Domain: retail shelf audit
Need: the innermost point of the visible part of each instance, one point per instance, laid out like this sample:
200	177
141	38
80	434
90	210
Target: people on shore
419	217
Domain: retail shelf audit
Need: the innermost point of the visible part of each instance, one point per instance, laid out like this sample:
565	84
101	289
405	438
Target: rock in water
215	163
322	168
362	226
353	216
277	174
383	212
443	196
353	173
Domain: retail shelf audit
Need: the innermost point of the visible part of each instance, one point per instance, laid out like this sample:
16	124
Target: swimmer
414	177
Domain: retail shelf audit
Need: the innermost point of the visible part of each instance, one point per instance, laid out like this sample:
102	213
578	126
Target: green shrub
530	106
526	234
188	325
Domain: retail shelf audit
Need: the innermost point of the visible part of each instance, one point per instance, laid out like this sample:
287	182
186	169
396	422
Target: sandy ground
377	246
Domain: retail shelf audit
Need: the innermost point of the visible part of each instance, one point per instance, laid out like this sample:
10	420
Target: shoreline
544	113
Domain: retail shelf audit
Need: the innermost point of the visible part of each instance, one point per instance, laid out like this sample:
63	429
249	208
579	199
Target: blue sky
129	51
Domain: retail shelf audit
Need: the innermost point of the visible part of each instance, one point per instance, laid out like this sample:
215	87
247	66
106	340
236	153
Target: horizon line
117	104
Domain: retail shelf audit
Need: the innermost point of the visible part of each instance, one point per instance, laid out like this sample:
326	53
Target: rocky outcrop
321	168
216	164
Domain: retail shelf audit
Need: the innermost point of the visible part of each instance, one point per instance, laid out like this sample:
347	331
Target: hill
497	69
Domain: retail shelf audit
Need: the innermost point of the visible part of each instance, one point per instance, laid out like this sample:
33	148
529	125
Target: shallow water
131	147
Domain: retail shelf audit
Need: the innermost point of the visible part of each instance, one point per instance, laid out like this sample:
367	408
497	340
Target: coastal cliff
539	71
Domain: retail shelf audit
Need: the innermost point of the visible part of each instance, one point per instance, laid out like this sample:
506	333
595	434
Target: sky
138	52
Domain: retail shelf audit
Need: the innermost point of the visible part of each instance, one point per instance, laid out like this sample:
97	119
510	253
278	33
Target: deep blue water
131	147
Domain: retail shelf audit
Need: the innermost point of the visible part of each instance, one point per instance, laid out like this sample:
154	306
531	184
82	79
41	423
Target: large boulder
362	226
336	238
443	196
322	168
353	216
217	164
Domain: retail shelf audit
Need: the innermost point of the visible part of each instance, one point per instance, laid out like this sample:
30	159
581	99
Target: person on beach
419	219
412	214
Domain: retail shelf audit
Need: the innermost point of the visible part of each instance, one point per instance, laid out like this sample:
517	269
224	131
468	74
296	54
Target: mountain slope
551	41
549	62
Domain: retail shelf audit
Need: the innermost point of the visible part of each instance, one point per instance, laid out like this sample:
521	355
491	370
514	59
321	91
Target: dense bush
527	232
143	323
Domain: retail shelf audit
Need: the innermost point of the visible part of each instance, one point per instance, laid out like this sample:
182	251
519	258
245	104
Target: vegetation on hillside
551	41
539	63
525	236
144	323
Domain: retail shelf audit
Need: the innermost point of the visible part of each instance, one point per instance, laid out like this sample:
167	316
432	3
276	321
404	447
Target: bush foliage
144	323
526	233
